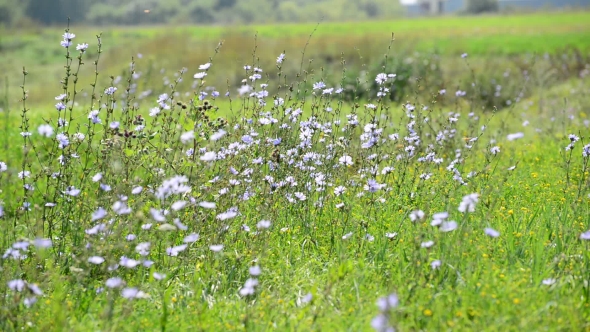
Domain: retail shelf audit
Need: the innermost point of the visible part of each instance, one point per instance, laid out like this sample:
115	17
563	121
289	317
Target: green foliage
327	258
117	12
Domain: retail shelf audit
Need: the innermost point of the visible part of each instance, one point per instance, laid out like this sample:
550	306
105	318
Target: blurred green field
484	37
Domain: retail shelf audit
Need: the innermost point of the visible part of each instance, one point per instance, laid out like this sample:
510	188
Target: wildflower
110	91
45	130
491	232
143	248
495	150
29	301
128	262
435	264
417	215
178	205
464	55
306	298
586	151
200	75
372	186
16	285
427	244
24	174
187	137
132	293
347	236
281	58
227	215
72	191
207	205
381	78
388	303
137	190
159	276
339	190
208	156
3	167
191	238
585	235
205	66
68	36
216	247
82	47
255	271
390	235
61	97
448	226
468	203
345	160
42	243
263	224
95	260
114	282
512	137
319	85
173	251
248	288
216	136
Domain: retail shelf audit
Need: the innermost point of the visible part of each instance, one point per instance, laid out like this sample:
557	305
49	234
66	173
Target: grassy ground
500	37
326	258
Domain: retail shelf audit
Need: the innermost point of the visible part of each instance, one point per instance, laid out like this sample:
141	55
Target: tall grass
294	200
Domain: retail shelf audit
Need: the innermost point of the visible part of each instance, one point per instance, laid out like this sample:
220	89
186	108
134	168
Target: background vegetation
491	105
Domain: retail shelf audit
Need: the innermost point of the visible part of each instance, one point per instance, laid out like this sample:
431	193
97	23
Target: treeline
135	12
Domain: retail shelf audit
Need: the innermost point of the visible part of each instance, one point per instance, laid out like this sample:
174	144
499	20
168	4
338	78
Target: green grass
483	283
482	37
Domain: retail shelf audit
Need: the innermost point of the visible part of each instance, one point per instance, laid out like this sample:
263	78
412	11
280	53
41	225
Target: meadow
312	178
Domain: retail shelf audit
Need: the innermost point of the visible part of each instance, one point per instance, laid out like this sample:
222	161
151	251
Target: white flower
435	264
263	224
218	135
549	281
468	203
187	137
132	293
207	205
491	232
191	238
200	75
16	285
205	66
96	260
208	156
448	226
114	282
512	137
345	160
495	150
255	271
82	47
45	130
216	247
3	167
416	215
427	244
347	236
178	205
